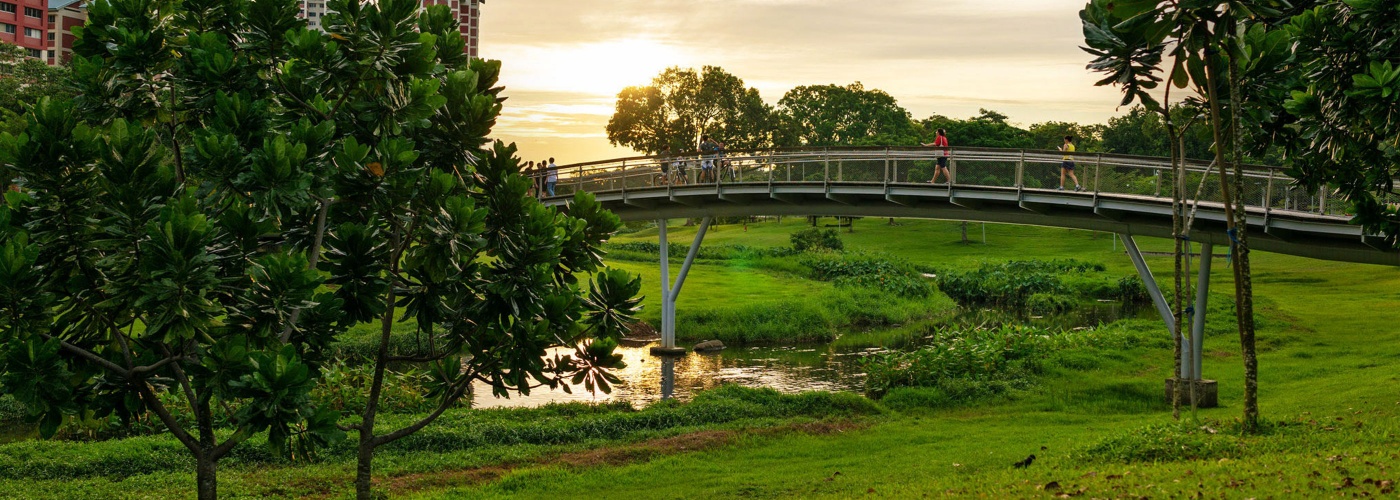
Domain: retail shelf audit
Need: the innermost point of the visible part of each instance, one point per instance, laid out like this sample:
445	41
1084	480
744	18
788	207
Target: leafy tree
1050	135
681	105
833	115
23	80
230	191
989	129
1341	104
1129	39
1144	132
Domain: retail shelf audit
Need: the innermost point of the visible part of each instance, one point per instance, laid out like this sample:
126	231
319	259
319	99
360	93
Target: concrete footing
1206	393
667	351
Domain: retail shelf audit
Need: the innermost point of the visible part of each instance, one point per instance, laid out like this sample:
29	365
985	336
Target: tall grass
821	317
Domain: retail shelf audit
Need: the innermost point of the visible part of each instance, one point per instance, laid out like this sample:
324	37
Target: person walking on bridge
940	142
1067	164
551	177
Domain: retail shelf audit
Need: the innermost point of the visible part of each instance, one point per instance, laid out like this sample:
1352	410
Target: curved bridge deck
1122	194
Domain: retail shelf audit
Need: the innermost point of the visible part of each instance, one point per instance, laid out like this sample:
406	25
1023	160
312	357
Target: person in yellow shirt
1067	164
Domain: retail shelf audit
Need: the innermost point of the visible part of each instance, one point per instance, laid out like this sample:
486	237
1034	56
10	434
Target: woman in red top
941	142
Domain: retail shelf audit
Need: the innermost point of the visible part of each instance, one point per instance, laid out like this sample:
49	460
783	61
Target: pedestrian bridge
1128	195
1122	194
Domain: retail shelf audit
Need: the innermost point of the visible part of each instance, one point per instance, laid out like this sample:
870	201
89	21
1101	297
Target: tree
989	129
230	191
1203	39
1144	132
1340	102
23	80
832	115
681	105
1048	135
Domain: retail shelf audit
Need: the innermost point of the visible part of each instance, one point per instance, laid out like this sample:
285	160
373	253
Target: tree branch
166	418
455	394
312	260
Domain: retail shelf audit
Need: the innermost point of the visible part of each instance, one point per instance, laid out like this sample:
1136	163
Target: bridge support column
669	292
1148	281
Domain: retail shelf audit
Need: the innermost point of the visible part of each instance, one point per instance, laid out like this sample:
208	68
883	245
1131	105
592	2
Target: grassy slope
1333	353
1328	377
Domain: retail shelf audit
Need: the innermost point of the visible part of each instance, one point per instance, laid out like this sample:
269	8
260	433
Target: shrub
1132	290
1049	303
965	364
343	387
1013	284
817	239
893	276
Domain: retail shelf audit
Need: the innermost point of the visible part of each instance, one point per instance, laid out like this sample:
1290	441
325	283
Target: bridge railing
1264	186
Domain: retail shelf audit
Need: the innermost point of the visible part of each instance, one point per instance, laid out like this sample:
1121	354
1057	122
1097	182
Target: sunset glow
565	61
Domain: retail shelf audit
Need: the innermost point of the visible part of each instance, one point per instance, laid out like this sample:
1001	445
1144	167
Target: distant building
64	15
468	13
22	23
313	11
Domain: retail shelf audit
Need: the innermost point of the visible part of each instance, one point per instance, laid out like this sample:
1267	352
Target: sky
564	61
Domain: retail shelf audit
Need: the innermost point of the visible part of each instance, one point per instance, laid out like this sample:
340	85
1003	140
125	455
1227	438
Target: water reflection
648	378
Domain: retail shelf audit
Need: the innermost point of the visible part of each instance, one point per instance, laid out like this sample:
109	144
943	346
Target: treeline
681	105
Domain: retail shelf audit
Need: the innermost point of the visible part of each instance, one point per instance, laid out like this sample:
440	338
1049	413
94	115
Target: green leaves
613	303
1381	81
356	257
33	372
276	390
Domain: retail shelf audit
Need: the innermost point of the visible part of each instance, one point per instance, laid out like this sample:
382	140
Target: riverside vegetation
952	407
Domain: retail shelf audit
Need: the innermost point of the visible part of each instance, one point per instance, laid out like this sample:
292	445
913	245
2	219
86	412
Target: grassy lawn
1096	420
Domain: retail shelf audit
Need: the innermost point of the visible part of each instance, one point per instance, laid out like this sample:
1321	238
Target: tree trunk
1177	229
964	232
1244	287
206	476
364	466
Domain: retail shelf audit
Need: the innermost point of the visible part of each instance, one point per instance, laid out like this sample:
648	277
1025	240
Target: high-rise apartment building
468	13
22	23
64	15
313	11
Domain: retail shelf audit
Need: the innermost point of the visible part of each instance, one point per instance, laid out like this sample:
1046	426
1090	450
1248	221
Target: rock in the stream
709	345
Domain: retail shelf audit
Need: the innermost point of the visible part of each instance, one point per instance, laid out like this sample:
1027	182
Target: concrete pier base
667	351
1206	394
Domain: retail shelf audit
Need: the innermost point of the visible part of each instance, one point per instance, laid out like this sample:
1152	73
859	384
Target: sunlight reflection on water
645	379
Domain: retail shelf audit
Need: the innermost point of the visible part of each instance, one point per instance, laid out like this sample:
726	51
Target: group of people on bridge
941	167
543	177
711	162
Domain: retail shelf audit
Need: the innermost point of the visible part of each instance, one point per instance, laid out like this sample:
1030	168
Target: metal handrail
1266	187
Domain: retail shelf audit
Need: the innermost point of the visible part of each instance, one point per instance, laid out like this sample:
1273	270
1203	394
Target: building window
51	19
50	36
35	53
33	12
33	33
8	28
7	7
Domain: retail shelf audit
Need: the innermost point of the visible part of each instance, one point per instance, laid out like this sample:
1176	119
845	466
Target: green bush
964	364
344	387
817	239
893	276
1049	303
1055	284
1131	290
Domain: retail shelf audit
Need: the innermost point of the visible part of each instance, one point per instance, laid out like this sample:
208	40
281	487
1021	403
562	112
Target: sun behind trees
231	191
681	105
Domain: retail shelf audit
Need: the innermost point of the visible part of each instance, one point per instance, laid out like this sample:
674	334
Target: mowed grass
1329	391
